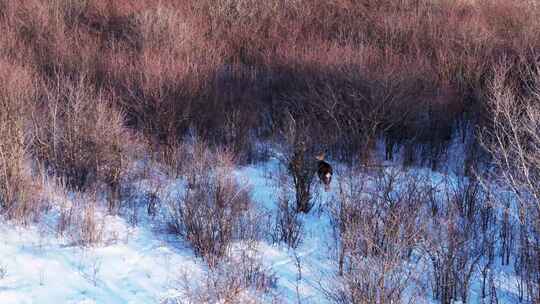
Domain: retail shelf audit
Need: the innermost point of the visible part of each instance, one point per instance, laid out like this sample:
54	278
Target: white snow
142	263
138	268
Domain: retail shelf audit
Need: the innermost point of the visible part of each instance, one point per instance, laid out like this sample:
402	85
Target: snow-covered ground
138	268
142	263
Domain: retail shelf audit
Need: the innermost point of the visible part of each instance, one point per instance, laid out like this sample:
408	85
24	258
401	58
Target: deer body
324	171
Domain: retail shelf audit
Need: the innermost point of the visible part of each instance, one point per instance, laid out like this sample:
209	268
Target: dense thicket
234	70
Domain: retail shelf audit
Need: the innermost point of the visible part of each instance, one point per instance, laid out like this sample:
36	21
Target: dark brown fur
325	173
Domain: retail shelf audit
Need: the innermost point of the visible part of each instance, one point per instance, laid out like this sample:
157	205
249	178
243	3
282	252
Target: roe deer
324	170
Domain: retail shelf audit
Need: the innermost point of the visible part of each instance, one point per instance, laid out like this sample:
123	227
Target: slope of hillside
145	264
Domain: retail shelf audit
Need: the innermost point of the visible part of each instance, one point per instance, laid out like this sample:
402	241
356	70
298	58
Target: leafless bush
59	193
299	159
19	193
462	239
302	170
513	141
378	226
232	69
214	208
288	226
239	278
90	229
172	155
81	222
82	137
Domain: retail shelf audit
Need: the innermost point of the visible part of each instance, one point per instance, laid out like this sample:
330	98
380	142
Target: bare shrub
462	239
231	69
214	208
302	170
513	141
299	159
58	192
81	136
19	193
81	222
172	155
90	229
378	226
387	223
288	224
240	278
